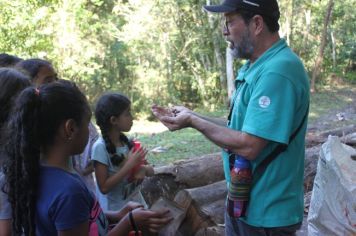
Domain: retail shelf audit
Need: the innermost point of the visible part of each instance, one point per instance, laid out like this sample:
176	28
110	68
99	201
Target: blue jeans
236	227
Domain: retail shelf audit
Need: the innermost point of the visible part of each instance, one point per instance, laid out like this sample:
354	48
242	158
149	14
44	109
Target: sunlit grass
330	99
176	145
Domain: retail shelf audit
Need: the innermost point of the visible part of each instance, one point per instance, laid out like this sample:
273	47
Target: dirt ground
339	117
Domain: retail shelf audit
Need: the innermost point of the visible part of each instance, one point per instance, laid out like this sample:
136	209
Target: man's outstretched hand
174	118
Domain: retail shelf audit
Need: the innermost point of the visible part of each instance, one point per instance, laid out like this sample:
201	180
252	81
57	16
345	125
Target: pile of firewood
197	187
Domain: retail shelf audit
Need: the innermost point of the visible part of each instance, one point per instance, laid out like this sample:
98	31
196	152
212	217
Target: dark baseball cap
267	8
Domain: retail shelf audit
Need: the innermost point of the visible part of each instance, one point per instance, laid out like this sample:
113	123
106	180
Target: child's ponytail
110	147
22	167
31	130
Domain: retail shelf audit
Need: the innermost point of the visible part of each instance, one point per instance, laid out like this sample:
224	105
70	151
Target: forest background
167	51
172	52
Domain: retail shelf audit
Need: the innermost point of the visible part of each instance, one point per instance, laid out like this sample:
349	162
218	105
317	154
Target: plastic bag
333	203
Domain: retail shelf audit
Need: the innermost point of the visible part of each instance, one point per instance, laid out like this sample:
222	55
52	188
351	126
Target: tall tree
320	56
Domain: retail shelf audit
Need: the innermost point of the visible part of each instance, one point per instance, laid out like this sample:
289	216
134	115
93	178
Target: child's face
124	121
45	75
81	137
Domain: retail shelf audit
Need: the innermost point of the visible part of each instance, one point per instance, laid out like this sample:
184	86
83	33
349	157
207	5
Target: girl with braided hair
48	125
113	155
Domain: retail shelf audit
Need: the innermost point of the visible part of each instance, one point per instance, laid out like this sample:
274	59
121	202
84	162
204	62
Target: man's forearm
217	121
238	142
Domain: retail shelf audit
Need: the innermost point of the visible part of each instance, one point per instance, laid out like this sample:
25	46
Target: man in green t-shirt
269	106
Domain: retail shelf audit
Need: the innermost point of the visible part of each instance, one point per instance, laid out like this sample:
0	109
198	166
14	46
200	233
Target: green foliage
306	35
23	28
160	51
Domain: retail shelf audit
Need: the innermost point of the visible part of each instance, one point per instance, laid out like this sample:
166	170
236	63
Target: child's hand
115	216
130	206
140	174
149	170
151	220
135	157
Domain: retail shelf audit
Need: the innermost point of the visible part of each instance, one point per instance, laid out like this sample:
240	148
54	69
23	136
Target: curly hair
31	130
111	104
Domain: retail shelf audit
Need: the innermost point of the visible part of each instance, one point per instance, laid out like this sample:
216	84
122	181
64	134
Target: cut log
194	172
310	164
312	140
204	203
342	131
205	207
160	185
175	211
211	231
307	197
201	171
346	133
350	139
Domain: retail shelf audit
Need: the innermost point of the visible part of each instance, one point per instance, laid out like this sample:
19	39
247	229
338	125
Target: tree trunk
333	44
320	56
218	55
230	73
289	20
307	14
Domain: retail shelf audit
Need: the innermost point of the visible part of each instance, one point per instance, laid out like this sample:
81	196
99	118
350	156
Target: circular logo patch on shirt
264	101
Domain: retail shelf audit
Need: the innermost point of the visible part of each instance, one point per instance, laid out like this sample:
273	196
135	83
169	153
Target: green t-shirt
270	101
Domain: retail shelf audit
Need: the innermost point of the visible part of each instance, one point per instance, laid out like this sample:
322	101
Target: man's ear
258	24
70	127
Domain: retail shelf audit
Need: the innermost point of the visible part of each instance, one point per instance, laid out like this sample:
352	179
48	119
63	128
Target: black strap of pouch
274	154
278	150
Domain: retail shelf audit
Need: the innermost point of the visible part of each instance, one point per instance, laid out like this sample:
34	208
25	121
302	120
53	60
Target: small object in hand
135	169
136	145
175	112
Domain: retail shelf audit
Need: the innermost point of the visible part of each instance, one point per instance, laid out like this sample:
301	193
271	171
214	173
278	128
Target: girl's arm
149	220
80	230
116	216
106	182
88	169
5	227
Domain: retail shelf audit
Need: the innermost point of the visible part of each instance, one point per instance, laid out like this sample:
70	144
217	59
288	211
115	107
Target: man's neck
264	43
